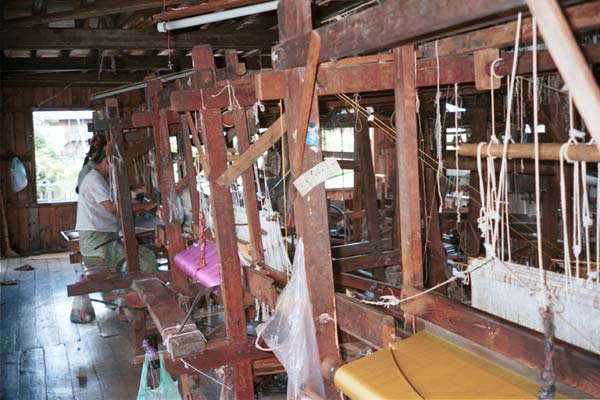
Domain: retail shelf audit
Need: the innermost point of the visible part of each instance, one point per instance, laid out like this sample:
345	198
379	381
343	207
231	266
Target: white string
536	145
231	93
438	130
563	208
187	365
456	191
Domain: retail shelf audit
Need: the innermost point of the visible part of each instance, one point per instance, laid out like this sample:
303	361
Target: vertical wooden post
190	169
166	182
408	171
311	211
124	202
224	225
369	190
250	201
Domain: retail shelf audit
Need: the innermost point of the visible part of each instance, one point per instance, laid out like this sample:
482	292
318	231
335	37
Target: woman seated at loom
97	220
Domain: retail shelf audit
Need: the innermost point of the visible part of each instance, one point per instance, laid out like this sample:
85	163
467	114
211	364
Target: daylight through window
61	142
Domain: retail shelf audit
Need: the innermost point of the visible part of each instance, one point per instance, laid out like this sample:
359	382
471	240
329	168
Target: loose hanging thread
547	378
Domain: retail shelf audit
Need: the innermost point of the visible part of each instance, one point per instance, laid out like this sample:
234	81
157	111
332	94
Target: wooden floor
41	351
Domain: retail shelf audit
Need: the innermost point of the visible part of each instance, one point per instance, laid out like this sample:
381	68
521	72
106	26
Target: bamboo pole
548	151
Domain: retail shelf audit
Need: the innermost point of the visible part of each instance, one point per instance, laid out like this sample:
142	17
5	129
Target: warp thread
202	240
547	377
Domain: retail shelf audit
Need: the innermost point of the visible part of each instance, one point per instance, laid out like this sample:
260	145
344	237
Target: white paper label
317	174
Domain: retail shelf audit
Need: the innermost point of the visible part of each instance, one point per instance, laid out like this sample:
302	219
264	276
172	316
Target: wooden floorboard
42	351
9	296
32	374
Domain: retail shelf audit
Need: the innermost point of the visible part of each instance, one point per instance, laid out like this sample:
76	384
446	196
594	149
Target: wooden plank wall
36	228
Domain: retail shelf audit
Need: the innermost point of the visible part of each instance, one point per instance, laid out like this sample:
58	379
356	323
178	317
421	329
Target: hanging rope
438	130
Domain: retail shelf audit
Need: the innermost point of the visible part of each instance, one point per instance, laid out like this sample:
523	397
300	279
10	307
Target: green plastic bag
166	390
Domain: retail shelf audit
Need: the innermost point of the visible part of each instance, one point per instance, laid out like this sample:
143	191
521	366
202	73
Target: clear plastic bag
290	335
82	311
167	388
176	213
18	175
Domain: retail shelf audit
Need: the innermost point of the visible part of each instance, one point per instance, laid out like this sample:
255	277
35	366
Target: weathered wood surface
79	289
580	17
224	223
569	59
387	25
261	286
79	38
47	363
242	120
368	261
408	174
355	281
369	190
256	150
353	249
168	317
125	210
369	324
311	211
548	151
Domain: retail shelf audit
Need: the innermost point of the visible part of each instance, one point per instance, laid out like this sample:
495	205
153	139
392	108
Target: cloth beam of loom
425	366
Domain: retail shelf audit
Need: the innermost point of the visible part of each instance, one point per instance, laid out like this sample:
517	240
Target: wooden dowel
570	61
548	151
245	161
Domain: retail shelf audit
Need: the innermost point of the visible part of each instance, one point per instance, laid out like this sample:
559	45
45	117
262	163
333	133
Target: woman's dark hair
96	152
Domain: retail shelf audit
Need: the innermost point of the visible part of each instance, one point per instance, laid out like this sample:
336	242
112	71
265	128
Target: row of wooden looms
193	106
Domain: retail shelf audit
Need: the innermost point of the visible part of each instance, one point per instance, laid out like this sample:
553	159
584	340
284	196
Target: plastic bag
290	334
176	213
18	175
82	311
166	389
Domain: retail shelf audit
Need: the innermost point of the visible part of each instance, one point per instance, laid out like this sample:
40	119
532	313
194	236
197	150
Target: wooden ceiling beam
70	78
389	24
123	63
42	38
89	12
580	17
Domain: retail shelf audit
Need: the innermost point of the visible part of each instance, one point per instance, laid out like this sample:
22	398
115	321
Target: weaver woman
97	221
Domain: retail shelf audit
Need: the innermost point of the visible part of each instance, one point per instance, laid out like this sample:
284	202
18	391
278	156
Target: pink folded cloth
189	259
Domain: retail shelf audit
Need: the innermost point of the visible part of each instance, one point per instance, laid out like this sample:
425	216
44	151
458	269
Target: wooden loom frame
397	72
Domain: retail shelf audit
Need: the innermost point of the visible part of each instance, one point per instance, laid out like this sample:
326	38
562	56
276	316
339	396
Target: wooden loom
285	83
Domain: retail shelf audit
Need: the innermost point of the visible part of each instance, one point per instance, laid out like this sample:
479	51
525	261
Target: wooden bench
167	316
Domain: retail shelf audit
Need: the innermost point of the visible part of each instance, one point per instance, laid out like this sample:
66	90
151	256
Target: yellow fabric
435	368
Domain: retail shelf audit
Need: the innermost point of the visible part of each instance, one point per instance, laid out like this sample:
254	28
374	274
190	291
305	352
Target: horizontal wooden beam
120	39
350	77
71	78
573	366
354	281
190	100
143	119
217	354
353	249
369	261
79	289
389	24
180	340
369	324
257	149
96	10
581	17
122	63
547	151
